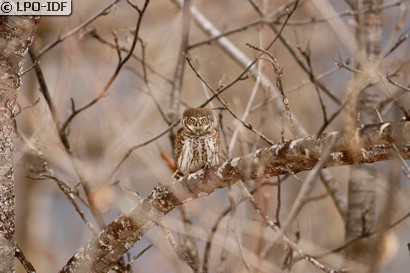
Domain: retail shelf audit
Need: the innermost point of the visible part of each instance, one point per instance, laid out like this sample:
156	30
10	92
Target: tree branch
369	144
16	35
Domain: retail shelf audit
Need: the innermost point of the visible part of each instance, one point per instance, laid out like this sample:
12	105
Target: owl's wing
217	136
178	143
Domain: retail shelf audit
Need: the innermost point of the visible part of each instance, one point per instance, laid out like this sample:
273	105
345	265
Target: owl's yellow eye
192	120
203	120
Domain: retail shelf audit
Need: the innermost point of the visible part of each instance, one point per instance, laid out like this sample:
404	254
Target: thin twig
283	237
405	88
236	54
28	266
43	85
175	96
247	125
20	109
278	70
214	229
94	34
245	113
306	54
346	13
136	257
48	173
293	52
68	192
121	63
402	38
184	250
332	117
61	38
391	96
135	147
145	68
274	19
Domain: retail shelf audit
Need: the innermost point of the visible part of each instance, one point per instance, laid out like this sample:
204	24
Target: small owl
197	142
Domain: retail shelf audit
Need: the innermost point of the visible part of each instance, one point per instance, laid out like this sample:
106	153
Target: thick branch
368	144
16	34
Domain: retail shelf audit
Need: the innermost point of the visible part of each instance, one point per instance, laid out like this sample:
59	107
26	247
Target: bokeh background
50	231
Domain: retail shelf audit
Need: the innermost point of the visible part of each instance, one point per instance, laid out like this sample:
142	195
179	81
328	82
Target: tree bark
16	35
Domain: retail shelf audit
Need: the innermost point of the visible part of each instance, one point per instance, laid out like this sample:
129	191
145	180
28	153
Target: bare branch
178	73
120	65
22	109
292	245
184	249
61	38
308	185
278	70
175	99
43	86
403	37
135	147
136	257
293	52
306	54
46	172
247	125
405	88
94	34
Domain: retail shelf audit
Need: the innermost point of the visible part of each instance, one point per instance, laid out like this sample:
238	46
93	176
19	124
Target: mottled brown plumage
197	142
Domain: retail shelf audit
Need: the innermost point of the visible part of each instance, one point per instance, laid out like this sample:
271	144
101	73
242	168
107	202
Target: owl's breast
196	152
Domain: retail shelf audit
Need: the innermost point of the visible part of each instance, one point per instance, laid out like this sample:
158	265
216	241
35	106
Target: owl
197	142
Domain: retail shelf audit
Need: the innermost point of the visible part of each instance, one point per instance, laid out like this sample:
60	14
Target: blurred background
135	107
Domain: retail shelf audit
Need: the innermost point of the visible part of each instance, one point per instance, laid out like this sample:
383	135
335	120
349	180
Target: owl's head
199	120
